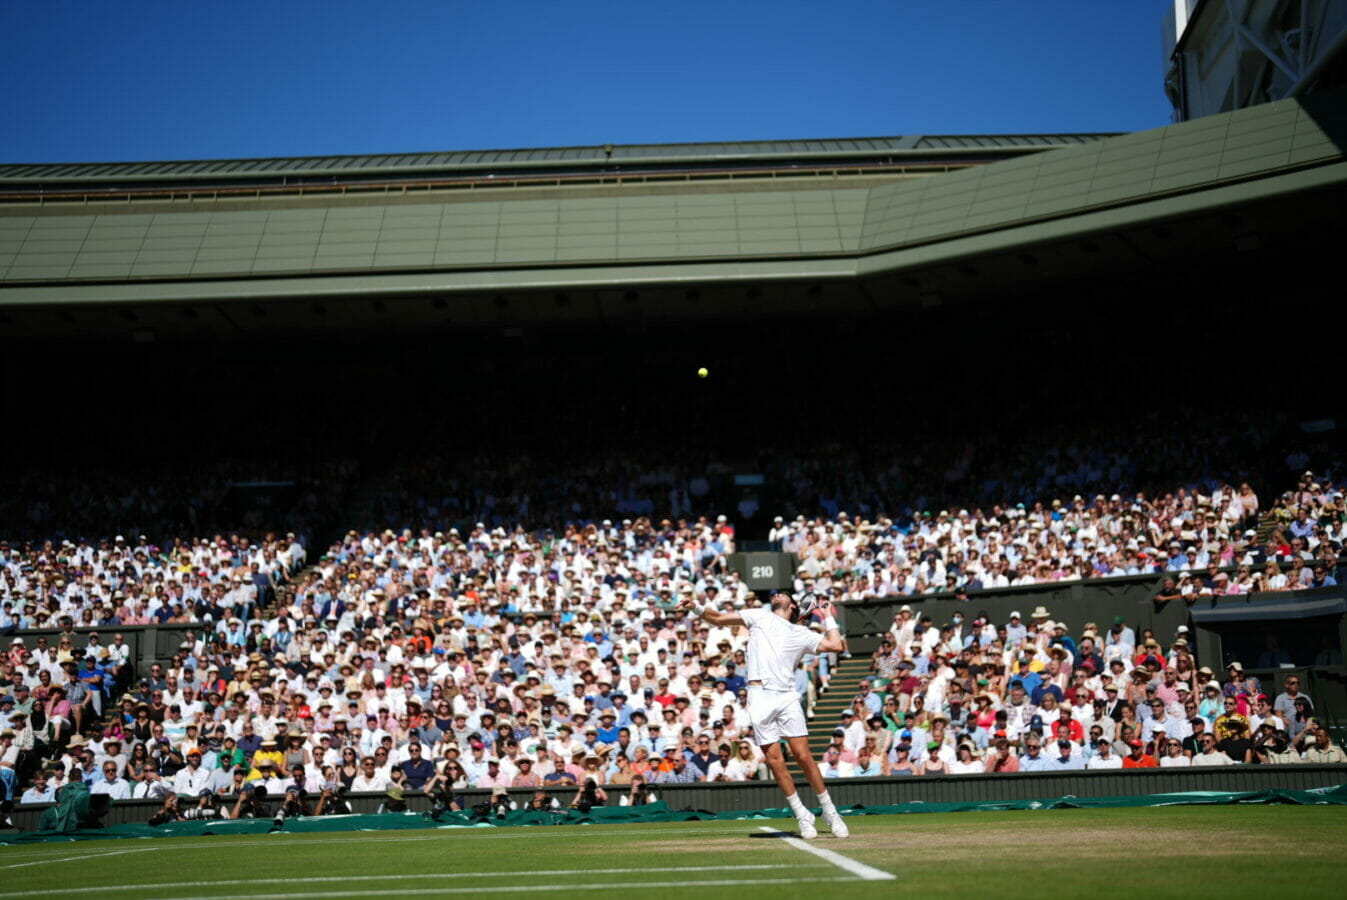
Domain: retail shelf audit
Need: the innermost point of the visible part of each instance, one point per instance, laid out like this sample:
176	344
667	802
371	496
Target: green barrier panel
656	812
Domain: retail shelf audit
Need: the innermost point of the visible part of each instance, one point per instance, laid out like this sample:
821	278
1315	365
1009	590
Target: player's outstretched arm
715	617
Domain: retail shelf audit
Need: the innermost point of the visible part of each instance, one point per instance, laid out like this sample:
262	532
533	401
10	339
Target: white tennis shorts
775	715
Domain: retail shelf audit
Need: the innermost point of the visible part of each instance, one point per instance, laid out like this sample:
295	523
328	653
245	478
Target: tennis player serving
777	640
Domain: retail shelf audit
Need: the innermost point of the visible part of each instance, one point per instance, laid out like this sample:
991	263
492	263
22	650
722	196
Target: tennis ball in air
703	372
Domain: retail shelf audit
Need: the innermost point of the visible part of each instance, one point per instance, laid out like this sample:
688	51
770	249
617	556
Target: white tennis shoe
837	825
806	823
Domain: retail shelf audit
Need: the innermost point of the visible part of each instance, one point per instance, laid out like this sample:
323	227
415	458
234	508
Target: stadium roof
431	164
1272	173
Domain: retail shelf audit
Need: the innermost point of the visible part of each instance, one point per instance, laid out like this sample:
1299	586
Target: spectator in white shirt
1105	758
369	780
193	778
1209	755
725	768
150	786
1173	756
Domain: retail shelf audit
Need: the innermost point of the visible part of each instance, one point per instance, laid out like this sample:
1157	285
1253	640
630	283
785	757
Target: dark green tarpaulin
654	812
72	808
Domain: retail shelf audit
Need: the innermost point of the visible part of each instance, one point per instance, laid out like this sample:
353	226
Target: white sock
795	805
827	803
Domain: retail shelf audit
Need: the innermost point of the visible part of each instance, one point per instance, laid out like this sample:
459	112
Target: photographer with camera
440	789
640	793
589	796
251	804
168	812
497	806
295	805
207	807
330	801
542	803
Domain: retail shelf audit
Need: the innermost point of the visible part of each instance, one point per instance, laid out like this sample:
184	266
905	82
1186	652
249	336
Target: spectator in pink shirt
1002	761
494	777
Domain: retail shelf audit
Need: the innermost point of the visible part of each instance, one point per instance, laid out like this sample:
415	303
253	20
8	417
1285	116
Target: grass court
1190	851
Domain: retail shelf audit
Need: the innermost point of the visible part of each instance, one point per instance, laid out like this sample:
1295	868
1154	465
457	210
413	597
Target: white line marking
513	888
152	886
532	832
96	855
859	869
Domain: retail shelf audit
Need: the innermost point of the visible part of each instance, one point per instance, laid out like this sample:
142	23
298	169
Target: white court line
343	879
515	888
532	832
94	855
859	869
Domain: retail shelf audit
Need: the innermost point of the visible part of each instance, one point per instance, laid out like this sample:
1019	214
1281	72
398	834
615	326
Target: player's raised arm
713	616
832	636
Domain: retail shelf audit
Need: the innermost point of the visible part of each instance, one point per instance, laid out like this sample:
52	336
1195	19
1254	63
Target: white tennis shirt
775	647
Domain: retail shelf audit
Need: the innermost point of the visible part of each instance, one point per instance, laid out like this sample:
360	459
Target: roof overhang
1277	172
1274	607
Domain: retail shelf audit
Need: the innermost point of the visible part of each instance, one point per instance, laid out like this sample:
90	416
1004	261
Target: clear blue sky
152	79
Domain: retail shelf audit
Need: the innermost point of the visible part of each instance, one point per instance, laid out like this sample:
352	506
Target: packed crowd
1199	540
134	582
1187	533
391	691
973	696
494	657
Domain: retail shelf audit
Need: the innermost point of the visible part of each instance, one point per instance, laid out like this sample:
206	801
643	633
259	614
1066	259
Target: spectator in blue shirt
1033	760
655	741
417	768
701	760
1302	527
608	727
873	702
604	698
517	662
1028	680
92	676
734	682
1044	689
1064	760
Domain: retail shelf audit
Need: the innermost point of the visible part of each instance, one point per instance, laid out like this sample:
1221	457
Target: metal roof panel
403	163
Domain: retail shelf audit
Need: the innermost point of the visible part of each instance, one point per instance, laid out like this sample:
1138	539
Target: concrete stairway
828	708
